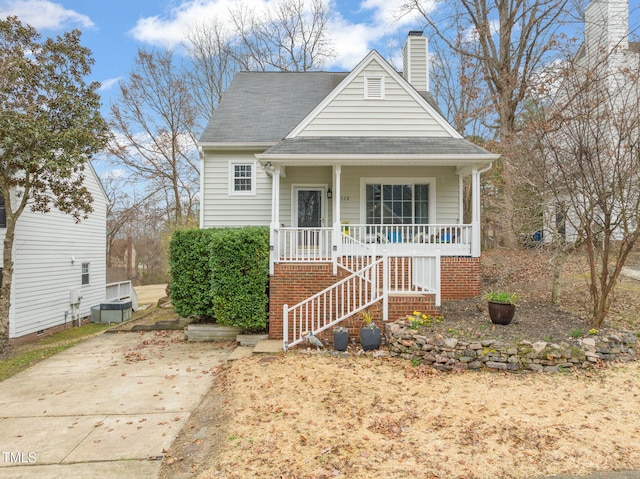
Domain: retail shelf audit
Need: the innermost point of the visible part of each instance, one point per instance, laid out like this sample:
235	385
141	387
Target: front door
309	212
309	207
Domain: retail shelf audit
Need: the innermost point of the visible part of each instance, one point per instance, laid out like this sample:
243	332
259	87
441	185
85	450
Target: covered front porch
326	213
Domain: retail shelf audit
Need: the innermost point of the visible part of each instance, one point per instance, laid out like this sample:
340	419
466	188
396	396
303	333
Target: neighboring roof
266	106
311	145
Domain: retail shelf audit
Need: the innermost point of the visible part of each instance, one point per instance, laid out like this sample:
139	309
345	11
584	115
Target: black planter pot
501	313
370	338
340	340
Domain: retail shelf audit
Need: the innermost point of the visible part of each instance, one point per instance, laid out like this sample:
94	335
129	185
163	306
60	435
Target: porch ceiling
437	151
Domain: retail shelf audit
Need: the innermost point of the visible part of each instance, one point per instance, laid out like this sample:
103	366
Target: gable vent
374	88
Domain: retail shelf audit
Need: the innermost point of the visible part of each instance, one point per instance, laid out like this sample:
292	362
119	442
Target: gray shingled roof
375	146
266	106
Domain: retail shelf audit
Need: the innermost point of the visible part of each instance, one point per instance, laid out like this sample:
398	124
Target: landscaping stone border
453	354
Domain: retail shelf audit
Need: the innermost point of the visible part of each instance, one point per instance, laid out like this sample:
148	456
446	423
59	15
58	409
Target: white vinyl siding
398	114
416	63
49	250
219	208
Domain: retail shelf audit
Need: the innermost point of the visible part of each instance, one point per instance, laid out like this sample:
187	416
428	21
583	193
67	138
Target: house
59	266
360	179
612	63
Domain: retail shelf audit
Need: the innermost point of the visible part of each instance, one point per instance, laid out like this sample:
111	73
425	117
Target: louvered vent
374	88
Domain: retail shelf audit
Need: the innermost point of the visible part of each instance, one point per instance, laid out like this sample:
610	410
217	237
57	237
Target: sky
115	29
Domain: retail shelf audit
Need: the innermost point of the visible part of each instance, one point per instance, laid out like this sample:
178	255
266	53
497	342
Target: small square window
242	178
85	273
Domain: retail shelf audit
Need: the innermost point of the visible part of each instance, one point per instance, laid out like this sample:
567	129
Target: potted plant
369	333
502	306
340	338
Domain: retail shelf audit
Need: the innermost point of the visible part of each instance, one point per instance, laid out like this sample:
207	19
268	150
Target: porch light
329	193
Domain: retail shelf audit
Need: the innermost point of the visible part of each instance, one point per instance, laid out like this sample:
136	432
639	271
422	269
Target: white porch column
336	243
274	244
275	196
475	213
460	199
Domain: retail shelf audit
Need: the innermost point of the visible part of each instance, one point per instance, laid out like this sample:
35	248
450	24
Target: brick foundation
27	338
460	277
294	282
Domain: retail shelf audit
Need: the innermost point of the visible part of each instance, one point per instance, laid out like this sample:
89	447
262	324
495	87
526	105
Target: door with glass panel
309	217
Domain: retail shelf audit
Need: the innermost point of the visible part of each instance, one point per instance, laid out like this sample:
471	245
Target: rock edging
449	354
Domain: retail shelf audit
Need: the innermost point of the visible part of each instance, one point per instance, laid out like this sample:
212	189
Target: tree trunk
7	280
557	273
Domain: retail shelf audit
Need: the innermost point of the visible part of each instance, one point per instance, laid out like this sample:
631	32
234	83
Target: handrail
401	275
333	304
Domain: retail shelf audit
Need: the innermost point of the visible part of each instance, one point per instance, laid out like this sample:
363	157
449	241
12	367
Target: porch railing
303	244
122	290
441	234
327	244
384	277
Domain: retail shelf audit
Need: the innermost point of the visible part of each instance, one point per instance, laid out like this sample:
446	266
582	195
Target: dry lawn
315	416
312	416
150	294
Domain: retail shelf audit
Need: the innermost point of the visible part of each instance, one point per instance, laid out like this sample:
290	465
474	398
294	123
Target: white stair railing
334	304
387	276
353	254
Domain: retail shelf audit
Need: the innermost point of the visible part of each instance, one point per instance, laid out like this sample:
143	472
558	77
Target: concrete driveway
105	408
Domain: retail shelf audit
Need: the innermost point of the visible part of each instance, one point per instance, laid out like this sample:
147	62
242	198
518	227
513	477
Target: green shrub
221	273
239	264
190	283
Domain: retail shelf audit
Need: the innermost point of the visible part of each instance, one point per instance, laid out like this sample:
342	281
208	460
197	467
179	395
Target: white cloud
377	21
169	30
108	83
44	14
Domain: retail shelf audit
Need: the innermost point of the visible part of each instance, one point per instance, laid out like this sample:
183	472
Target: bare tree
210	48
292	36
585	156
154	121
456	81
510	40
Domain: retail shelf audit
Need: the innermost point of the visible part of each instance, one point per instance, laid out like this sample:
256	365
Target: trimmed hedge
221	273
239	264
190	284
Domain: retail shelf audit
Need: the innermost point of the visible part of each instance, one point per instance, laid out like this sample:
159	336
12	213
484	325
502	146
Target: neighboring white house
59	266
354	173
606	52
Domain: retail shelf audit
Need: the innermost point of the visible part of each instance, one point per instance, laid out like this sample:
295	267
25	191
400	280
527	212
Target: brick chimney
415	59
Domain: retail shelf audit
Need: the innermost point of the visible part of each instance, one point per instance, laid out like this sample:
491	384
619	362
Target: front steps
260	345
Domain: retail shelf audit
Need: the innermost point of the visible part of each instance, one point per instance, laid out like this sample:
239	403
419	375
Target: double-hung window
85	273
397	204
242	178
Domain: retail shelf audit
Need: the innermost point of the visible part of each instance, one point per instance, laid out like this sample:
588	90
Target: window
374	88
3	213
397	204
242	178
85	273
